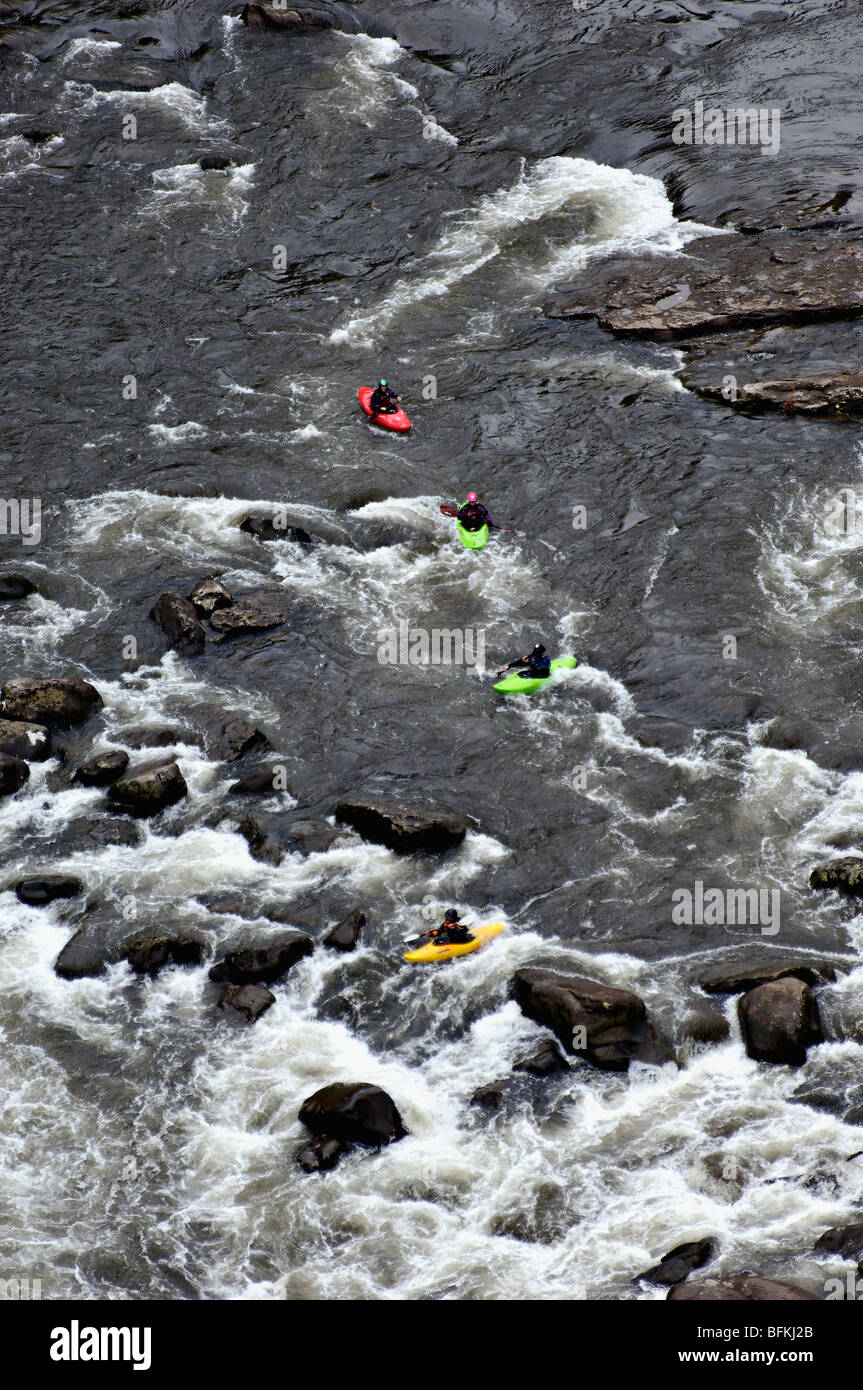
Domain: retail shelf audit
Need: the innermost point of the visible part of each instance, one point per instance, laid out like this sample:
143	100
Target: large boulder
40	890
738	976
177	617
740	1288
384	823
674	1267
356	1114
263	964
18	739
780	1020
148	790
845	875
14	772
103	769
209	594
345	934
42	700
246	1003
608	1027
255	612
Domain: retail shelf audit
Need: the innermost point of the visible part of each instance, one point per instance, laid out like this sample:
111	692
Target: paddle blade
448	510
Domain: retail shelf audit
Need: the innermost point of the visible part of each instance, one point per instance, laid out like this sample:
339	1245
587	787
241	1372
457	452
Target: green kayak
472	540
527	685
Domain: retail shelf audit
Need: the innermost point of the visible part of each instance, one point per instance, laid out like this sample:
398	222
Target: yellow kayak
432	953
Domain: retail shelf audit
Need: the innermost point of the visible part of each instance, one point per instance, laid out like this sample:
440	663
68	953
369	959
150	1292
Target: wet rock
40	700
150	737
356	1114
778	278
97	832
39	890
271	838
255	612
705	1025
246	1001
294	21
321	1156
208	595
780	1020
214	161
177	617
735	977
488	1097
84	954
830	395
103	769
545	1060
263	964
14	772
148	790
148	954
845	875
608	1027
269	528
345	934
15	586
239	738
32	742
846	1241
674	1267
406	832
740	1288
264	781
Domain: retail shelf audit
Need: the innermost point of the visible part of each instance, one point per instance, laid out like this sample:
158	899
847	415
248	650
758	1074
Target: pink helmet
472	497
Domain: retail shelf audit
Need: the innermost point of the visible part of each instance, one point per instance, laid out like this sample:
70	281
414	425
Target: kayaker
537	664
383	401
472	514
450	932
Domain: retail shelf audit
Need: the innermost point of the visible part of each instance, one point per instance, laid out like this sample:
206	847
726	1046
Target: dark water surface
428	193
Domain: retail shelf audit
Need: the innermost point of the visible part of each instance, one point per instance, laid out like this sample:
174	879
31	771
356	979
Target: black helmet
451	915
539	650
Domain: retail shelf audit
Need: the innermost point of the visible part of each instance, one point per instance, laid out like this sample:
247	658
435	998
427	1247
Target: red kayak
396	421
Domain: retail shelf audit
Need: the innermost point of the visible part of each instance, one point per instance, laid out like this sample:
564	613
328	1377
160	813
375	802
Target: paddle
417	935
492	525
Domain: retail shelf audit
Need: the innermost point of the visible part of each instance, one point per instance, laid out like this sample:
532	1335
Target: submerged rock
271	838
178	619
780	1020
15	586
38	891
608	1027
43	700
208	595
674	1267
18	739
489	1097
704	1024
355	1114
846	1241
247	1002
103	769
263	781
345	934
14	772
545	1060
406	832
239	738
148	790
263	964
740	1288
845	875
321	1156
267	528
